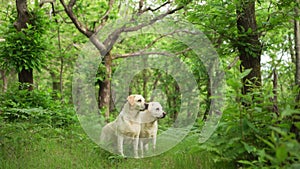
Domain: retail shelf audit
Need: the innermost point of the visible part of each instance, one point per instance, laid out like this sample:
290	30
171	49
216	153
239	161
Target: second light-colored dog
149	125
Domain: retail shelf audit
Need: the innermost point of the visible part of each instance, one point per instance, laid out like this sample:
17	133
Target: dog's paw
136	157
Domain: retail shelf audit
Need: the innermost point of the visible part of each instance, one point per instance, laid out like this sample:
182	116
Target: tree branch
105	16
233	62
159	17
84	30
41	3
113	37
79	26
71	3
183	51
143	53
161	37
141	11
140	53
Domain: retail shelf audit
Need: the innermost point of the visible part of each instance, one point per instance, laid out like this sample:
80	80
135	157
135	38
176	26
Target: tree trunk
176	100
145	77
275	89
104	90
55	83
26	79
4	80
145	82
208	100
296	117
249	46
23	15
297	51
61	77
26	75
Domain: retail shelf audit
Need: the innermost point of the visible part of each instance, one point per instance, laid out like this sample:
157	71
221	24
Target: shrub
36	107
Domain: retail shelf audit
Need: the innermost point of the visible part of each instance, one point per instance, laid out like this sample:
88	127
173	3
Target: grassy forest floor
28	146
38	132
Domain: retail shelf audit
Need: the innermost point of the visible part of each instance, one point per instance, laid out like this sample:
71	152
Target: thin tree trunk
55	83
61	77
59	86
145	78
296	117
291	48
275	89
145	81
249	45
61	63
208	100
176	99
297	50
154	86
4	80
105	90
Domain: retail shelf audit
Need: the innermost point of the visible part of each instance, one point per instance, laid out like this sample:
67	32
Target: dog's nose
164	114
146	105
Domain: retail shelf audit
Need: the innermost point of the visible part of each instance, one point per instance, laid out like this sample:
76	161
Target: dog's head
136	102
156	110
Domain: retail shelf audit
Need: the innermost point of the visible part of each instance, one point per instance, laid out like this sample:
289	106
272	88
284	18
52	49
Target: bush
35	107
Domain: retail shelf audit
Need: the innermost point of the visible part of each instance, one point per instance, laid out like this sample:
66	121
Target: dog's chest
148	130
129	127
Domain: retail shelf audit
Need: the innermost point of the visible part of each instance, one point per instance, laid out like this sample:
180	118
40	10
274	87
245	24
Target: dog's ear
130	99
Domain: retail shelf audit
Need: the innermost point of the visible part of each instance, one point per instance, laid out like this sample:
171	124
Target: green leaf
266	142
279	130
249	148
297	124
251	125
246	162
281	153
288	112
245	73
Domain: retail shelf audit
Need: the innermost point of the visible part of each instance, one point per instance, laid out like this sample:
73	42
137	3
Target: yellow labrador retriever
149	125
126	126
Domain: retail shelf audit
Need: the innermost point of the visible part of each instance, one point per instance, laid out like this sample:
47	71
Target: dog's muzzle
163	115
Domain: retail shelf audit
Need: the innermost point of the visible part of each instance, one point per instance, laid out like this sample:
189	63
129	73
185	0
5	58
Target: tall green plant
24	49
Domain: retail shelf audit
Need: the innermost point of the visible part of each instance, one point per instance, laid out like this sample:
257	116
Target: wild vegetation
256	42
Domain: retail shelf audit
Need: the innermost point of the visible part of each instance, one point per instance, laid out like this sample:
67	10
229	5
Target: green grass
28	146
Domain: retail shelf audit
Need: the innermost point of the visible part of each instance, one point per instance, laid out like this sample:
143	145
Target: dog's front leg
154	143
136	146
120	145
141	147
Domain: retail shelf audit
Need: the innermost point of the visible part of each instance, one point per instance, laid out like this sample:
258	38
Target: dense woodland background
258	44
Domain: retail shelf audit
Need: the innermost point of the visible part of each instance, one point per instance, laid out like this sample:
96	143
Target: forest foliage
259	127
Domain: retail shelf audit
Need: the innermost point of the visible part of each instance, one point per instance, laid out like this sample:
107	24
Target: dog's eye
157	109
139	100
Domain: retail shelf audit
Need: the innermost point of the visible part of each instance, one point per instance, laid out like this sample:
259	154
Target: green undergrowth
26	145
